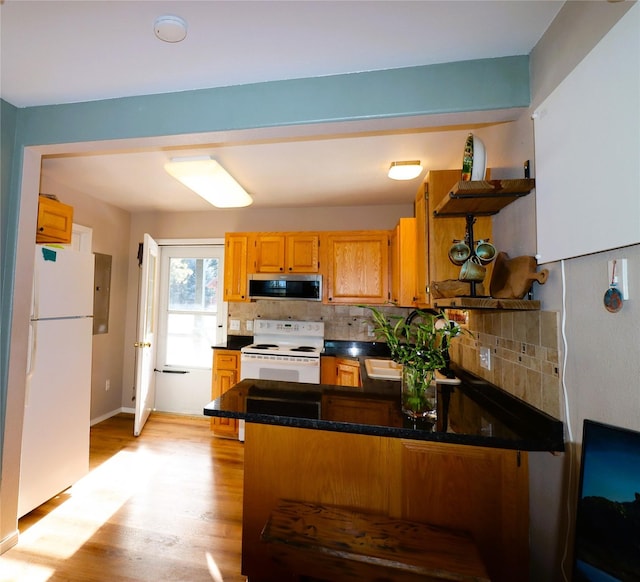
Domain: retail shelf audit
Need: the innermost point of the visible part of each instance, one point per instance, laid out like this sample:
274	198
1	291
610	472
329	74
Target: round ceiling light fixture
170	28
405	170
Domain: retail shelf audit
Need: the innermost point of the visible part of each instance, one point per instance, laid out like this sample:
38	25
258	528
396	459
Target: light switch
234	325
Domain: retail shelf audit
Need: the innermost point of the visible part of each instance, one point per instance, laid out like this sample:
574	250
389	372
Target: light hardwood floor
166	506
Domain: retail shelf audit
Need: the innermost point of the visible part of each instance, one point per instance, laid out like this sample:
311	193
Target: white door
146	337
192	318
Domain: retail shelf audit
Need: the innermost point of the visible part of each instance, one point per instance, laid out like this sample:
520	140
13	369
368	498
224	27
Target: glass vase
419	394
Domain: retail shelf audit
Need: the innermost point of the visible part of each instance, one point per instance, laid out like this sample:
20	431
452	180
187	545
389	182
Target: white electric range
284	350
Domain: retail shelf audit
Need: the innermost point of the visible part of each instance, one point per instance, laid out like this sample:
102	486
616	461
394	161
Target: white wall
602	360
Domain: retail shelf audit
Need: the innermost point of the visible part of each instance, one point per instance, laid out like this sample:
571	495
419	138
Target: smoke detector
170	28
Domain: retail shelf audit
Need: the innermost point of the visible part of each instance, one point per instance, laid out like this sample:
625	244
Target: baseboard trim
112	413
8	542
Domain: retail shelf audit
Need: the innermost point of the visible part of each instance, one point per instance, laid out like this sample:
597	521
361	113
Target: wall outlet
249	324
485	358
234	325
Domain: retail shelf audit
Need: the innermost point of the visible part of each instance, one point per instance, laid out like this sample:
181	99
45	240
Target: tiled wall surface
524	354
341	322
524	344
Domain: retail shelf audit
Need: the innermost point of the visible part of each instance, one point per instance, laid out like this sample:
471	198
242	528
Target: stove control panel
289	328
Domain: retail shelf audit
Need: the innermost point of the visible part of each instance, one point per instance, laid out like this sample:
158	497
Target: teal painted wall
479	85
456	87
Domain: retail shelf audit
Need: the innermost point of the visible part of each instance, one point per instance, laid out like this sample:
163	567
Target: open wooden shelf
482	197
487	303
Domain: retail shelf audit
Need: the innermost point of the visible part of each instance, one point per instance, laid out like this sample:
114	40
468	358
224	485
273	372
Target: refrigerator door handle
31	359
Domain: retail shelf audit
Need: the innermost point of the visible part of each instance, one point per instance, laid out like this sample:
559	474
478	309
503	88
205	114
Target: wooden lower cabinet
226	374
477	489
339	408
340	371
348	372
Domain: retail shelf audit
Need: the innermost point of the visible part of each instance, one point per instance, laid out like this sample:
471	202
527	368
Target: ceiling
82	51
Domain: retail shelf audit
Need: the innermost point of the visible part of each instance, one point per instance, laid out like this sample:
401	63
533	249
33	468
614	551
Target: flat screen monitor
607	537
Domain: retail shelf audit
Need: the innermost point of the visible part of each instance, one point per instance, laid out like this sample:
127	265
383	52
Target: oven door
287	369
267	367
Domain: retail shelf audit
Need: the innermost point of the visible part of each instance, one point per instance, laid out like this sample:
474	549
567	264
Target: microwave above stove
286	286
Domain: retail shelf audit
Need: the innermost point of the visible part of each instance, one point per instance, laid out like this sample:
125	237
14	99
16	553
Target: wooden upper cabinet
357	267
269	251
55	221
443	231
404	263
422	249
338	408
235	266
286	252
303	252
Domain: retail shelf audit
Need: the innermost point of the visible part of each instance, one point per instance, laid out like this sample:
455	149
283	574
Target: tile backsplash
524	344
525	355
341	322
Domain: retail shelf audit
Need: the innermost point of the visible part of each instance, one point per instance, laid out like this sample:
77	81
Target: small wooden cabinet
226	374
286	252
340	371
358	267
235	267
404	263
348	372
55	221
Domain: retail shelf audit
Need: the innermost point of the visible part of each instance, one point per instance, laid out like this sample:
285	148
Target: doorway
192	318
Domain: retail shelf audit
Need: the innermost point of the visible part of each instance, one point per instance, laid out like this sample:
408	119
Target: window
193	315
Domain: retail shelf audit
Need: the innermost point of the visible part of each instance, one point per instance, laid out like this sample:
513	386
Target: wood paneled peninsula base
480	490
468	473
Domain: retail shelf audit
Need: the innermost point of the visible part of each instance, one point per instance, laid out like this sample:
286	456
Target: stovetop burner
286	338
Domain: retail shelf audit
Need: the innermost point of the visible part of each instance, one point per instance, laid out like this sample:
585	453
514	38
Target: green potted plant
419	342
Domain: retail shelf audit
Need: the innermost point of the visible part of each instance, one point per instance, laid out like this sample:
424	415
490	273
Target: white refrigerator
55	435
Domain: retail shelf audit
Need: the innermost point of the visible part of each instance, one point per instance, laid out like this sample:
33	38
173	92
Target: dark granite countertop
474	412
234	342
331	347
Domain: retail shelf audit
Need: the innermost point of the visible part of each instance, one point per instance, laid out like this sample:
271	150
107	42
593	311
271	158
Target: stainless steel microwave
289	286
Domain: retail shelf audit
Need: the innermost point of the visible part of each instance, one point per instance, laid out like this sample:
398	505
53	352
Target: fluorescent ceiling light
405	170
209	179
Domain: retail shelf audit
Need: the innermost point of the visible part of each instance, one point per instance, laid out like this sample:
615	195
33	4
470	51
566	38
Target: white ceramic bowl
479	166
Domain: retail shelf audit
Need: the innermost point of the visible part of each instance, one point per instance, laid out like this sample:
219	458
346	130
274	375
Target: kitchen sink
390	370
383	369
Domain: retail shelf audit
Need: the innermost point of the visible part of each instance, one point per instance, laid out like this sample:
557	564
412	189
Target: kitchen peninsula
468	472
